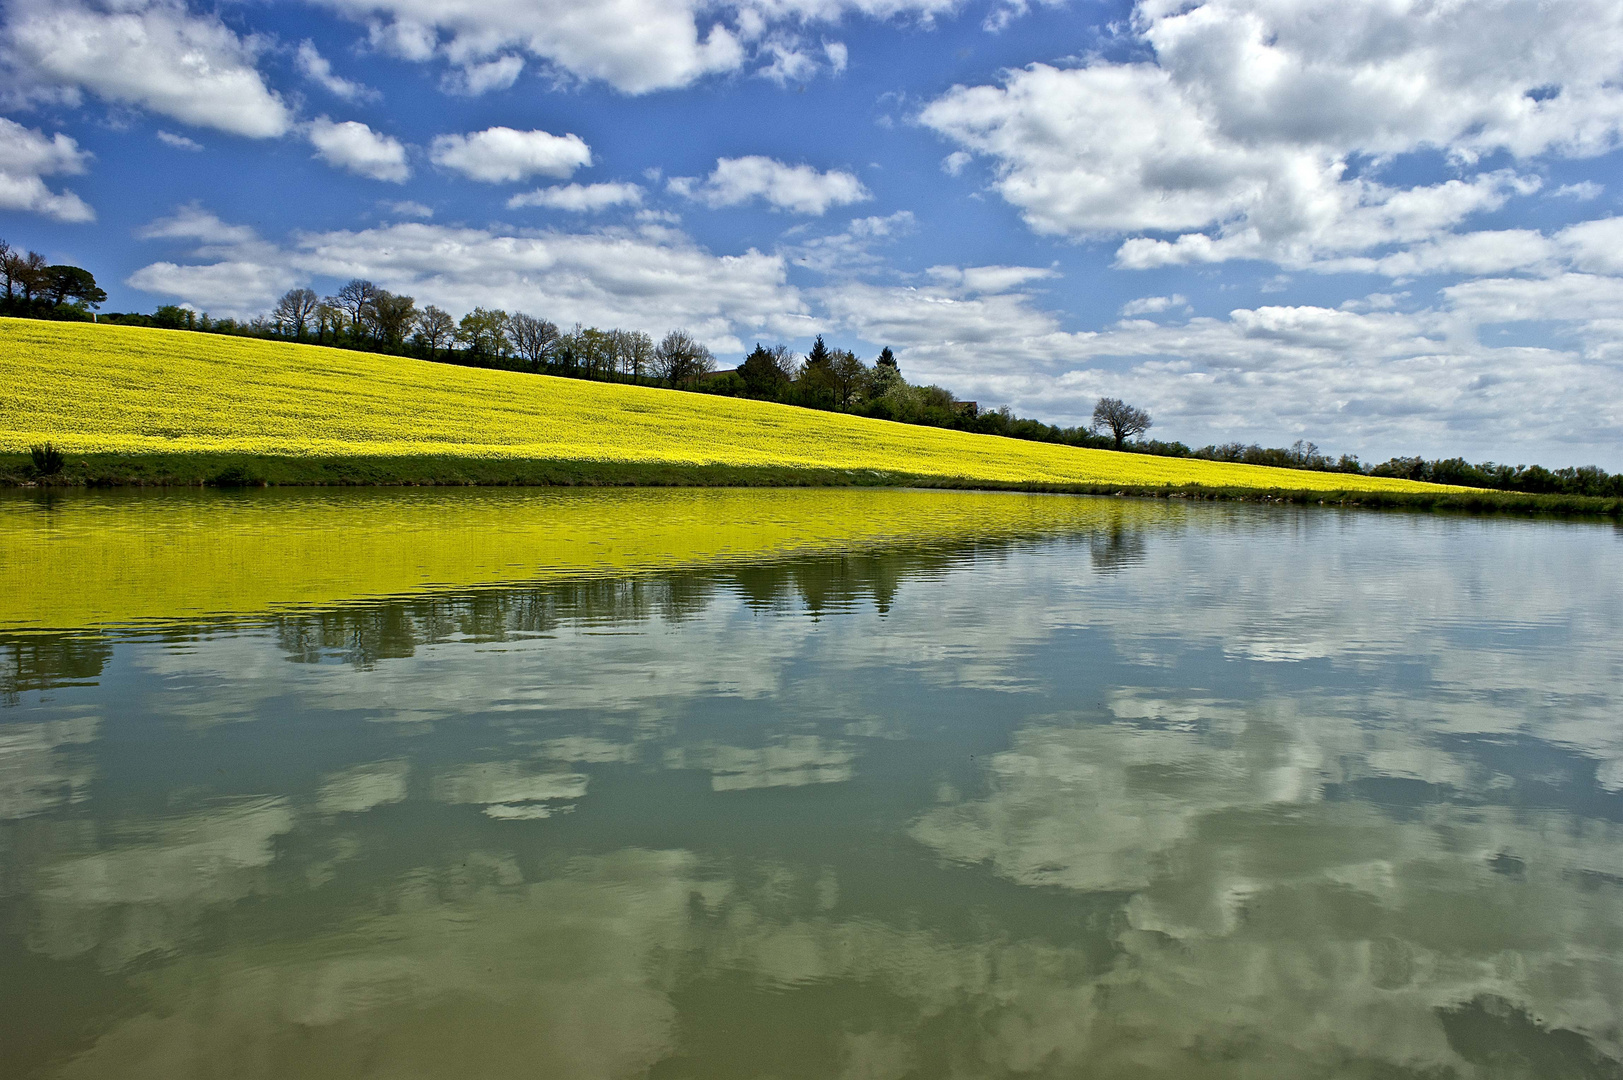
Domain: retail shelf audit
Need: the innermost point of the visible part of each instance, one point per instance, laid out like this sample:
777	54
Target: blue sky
1387	226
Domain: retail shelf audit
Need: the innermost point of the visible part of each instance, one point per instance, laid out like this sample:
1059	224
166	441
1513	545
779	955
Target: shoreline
230	470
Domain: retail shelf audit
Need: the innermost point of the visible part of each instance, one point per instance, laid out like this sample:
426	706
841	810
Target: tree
533	338
30	274
330	316
766	372
593	350
637	352
817	377
392	317
60	284
884	378
435	329
680	359
295	310
848	374
6	270
484	332
356	299
1121	418
174	317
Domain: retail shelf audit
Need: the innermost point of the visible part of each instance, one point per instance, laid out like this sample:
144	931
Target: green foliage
766	373
47	460
484	333
174	317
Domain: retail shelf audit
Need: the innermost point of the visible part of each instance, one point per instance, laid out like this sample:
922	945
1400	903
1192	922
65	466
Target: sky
1384	226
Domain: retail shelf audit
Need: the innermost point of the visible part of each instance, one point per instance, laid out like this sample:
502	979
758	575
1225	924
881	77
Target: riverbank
229	470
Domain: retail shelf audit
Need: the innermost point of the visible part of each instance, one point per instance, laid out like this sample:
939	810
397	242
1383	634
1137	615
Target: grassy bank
131	405
244	470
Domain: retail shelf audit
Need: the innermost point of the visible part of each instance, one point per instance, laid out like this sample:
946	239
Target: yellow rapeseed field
113	389
134	558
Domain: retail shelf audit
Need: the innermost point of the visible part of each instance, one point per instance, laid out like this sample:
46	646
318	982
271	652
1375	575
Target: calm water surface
1145	791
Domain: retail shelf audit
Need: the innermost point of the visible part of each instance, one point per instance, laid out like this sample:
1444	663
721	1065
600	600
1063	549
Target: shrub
47	459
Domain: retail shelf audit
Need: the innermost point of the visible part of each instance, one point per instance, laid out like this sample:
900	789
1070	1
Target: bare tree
435	329
29	271
295	310
533	338
356	299
329	316
6	258
680	359
1121	418
637	352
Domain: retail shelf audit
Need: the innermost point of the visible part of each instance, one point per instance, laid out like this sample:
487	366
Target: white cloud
1583	191
580	198
179	142
192	222
26	157
799	189
501	154
1595	246
635	46
851	250
790	62
651	278
1243	131
1378	383
989	279
411	209
475	79
315	67
239	289
352	146
243	279
1152	305
156	56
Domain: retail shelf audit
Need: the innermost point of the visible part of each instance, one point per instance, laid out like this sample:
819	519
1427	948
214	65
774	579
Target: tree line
37	289
360	315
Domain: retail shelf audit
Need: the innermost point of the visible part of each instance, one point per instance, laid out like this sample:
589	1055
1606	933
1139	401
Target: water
818	784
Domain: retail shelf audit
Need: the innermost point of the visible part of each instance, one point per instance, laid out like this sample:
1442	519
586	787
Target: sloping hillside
122	390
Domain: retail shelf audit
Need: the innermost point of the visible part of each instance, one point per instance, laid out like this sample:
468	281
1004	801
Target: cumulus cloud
352	146
156	56
852	249
1376	382
502	155
580	198
1257	129
800	189
242	279
318	69
650	278
193	222
474	79
1152	305
635	46
229	287
26	157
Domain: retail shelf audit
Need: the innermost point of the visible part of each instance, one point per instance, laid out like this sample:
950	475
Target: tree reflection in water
1254	794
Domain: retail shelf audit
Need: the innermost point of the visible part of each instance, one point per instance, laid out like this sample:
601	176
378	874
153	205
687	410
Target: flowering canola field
129	390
